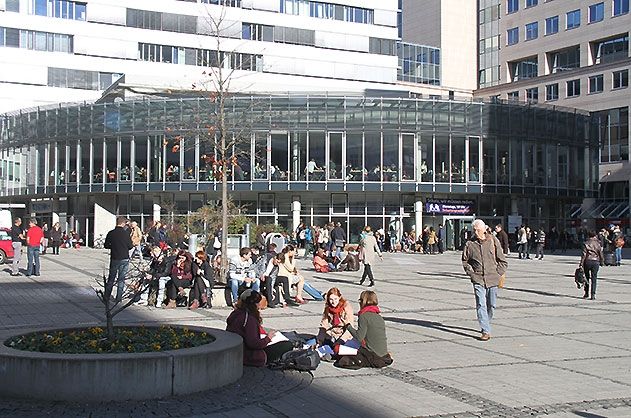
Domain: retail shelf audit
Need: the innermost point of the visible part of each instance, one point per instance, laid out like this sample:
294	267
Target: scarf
337	320
369	308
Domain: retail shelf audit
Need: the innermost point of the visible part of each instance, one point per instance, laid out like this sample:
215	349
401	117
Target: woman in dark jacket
181	277
55	238
371	332
203	279
246	321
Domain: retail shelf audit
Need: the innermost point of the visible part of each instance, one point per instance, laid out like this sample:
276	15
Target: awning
622	174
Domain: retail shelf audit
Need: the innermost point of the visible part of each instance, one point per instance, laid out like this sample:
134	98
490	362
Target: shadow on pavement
434	325
542	293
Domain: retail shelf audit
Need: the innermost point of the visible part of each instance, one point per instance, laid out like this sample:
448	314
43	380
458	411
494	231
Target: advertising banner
449	207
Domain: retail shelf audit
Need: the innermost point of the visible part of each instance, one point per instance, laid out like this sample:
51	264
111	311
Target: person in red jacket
34	239
246	321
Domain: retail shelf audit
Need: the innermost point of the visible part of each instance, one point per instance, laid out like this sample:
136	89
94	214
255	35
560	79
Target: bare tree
220	123
138	281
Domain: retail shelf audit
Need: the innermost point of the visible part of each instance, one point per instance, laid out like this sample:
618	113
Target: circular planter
124	376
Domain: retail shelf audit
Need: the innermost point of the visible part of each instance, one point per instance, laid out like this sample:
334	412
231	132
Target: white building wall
340	61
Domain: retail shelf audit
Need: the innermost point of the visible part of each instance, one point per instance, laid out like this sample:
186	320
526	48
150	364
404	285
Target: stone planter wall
104	377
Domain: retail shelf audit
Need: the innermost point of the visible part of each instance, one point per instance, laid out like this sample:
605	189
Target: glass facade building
354	159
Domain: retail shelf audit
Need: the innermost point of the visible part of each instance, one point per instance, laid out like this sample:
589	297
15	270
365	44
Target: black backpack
302	360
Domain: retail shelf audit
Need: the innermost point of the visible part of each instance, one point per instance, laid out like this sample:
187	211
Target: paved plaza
552	353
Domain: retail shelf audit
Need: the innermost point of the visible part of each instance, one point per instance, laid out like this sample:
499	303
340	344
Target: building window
34	40
80	79
532	31
513	96
201	57
620	79
63	9
169	22
532	95
620	7
596	83
614	134
573	19
552	92
596	12
512	36
524	69
327	11
418	64
564	60
229	3
552	25
512	6
531	3
573	88
611	50
13	6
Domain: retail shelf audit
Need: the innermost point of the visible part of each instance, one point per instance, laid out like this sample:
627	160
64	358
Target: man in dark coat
502	236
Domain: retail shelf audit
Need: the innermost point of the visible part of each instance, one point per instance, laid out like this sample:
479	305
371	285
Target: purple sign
449	207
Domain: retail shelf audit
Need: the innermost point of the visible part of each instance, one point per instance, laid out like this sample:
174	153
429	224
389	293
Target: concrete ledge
124	376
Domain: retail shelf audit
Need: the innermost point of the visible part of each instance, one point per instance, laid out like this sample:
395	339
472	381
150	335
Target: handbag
339	242
579	277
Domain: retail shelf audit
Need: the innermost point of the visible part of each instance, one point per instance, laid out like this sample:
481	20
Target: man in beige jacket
484	262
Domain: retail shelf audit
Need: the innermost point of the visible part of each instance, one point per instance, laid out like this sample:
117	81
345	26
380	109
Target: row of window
288	35
63	9
80	79
596	11
200	57
418	64
35	40
327	11
596	84
602	51
572	20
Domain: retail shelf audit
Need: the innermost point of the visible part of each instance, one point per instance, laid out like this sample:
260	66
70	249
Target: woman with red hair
338	313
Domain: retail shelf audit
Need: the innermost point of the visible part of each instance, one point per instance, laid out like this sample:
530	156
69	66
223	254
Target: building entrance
454	234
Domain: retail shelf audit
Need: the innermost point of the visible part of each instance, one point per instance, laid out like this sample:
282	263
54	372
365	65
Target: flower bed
80	368
94	340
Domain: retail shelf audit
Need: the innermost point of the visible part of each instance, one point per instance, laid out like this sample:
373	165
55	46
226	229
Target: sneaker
194	305
170	305
291	302
485	336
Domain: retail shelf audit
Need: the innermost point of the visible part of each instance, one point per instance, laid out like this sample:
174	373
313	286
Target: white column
156	212
295	212
418	218
513	207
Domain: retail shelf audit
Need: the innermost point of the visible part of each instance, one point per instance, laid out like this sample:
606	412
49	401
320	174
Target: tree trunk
109	319
224	190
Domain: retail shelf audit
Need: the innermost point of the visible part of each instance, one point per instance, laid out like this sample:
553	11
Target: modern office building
341	122
570	53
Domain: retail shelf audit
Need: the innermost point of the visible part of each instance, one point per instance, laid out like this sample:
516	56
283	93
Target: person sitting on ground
240	272
320	263
203	279
246	321
337	314
287	268
371	331
350	263
181	278
273	283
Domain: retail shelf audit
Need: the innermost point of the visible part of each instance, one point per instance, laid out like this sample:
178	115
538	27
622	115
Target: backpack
302	360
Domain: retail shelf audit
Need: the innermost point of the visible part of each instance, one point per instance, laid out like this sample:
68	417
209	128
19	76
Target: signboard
449	207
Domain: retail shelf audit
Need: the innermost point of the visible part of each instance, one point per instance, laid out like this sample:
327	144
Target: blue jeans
485	302
234	287
32	257
118	271
618	255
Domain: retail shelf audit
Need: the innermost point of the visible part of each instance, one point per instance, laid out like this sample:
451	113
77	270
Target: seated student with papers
259	346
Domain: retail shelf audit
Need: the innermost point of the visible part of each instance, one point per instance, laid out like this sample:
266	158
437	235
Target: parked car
6	245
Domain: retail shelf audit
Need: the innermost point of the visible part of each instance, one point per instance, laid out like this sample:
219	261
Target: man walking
484	262
17	236
502	237
338	236
118	241
540	239
34	240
